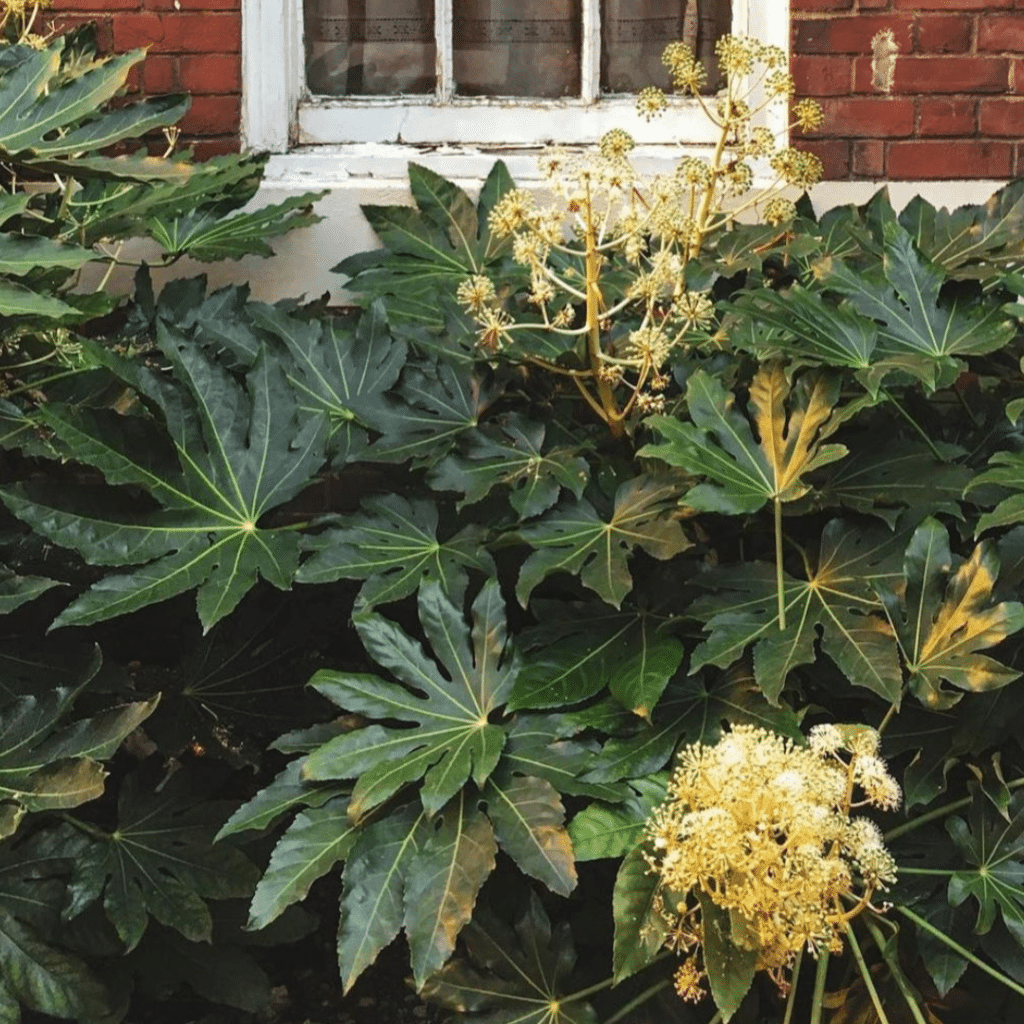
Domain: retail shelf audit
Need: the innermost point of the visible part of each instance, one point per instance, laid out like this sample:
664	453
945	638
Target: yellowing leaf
942	625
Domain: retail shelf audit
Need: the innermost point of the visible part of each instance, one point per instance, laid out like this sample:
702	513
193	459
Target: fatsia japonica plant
653	560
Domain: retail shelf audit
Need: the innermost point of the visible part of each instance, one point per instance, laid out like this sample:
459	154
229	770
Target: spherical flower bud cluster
761	827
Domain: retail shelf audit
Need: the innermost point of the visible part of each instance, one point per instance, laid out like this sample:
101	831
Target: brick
1018	164
210	73
1001	33
206	148
873	5
202	33
821	76
1017	77
851	35
834	155
870	117
191	5
951	74
944	34
132	30
212	115
941	116
869	158
1001	117
821	5
160	74
95	5
944	5
951	160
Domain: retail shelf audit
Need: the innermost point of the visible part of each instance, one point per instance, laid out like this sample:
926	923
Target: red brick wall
194	47
956	104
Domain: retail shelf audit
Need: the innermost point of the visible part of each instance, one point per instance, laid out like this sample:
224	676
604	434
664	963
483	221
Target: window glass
635	32
517	47
367	47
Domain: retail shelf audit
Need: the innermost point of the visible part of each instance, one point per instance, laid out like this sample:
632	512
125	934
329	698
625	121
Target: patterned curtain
501	47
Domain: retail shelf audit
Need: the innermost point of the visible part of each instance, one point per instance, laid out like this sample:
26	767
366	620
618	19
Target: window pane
517	47
634	33
361	47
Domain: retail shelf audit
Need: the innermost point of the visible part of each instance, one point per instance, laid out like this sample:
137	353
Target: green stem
638	1000
939	812
41	383
866	975
917	426
819	987
779	585
946	872
791	1001
909	997
965	953
84	826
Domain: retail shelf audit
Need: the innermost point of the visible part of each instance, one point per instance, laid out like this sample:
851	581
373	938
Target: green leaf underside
160	862
511	976
574	538
241	453
453	740
837	605
730	969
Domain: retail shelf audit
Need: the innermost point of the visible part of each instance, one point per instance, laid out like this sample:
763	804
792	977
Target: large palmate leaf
970	240
745	473
993	846
160	861
945	619
433	409
1006	470
454	740
519	976
634	655
339	373
886	479
836	605
47	763
207	235
49	112
511	453
431	249
240	453
922	333
575	538
393	545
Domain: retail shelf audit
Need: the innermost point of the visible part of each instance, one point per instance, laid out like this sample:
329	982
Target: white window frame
370	133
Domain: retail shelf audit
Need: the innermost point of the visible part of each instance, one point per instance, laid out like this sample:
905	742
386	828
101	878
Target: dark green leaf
160	861
445	875
730	969
574	538
614	830
315	841
453	740
640	929
528	820
394	545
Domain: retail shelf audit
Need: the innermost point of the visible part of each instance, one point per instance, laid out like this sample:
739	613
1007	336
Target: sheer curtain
367	47
501	47
518	47
635	32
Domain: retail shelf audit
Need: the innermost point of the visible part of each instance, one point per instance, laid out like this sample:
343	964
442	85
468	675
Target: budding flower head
761	827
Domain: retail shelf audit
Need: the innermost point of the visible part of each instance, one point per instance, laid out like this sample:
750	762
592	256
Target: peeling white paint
883	60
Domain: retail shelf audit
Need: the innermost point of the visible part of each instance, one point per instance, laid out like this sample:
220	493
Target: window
473	73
